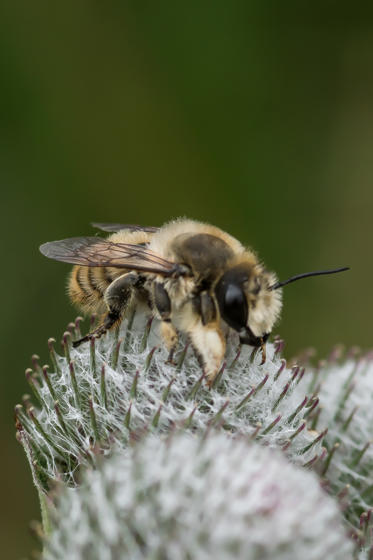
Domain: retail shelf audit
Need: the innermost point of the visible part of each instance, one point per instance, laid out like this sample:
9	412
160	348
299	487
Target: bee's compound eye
233	306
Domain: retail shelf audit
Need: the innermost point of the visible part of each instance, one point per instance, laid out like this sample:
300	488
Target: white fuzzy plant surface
104	394
345	389
186	497
96	395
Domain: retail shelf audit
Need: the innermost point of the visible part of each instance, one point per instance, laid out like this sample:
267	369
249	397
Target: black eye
233	305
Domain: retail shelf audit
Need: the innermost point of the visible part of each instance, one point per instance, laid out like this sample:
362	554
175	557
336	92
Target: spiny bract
98	394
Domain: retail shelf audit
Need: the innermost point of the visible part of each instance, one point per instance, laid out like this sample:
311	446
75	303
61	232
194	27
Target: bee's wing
118	227
94	251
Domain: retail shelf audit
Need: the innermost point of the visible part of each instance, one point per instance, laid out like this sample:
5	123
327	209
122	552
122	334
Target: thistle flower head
183	497
96	395
346	396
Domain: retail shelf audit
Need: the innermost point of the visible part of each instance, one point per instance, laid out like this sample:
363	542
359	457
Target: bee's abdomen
87	286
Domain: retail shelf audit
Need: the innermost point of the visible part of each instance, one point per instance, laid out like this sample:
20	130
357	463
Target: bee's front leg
209	344
247	337
117	298
207	336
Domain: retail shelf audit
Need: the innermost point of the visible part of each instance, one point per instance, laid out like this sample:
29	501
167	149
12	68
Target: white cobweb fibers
103	395
98	394
184	497
346	399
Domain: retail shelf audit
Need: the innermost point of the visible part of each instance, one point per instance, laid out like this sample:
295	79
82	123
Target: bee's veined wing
94	251
118	227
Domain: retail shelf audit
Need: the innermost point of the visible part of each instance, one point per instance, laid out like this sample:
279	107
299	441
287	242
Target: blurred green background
255	116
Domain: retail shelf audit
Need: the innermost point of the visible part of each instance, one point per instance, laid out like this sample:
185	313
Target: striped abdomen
87	286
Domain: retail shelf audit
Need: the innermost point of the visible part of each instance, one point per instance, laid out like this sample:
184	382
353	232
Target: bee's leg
162	304
209	344
170	337
247	337
207	336
117	298
264	351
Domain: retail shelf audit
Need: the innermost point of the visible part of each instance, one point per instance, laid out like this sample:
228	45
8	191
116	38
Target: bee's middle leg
117	298
162	304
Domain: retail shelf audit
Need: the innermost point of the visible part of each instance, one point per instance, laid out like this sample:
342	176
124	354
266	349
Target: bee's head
246	302
250	299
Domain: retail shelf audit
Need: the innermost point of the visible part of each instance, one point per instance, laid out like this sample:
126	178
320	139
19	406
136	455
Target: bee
194	277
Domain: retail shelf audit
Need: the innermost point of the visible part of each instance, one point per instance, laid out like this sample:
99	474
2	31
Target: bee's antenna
305	275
